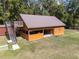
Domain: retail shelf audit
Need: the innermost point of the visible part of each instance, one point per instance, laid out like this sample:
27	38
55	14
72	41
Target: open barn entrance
47	33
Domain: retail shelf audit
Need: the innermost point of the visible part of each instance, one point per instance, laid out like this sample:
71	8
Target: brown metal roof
38	21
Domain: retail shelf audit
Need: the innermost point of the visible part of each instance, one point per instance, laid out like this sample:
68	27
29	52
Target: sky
60	1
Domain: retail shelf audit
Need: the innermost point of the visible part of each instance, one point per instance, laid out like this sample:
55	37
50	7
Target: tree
73	10
60	12
11	8
1	13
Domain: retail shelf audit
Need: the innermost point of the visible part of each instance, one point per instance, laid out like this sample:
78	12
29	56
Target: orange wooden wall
58	31
55	31
35	36
32	37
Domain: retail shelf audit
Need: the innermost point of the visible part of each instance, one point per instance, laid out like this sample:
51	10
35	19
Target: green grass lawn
63	47
3	40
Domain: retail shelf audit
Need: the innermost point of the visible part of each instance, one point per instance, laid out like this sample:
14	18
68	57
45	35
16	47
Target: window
47	32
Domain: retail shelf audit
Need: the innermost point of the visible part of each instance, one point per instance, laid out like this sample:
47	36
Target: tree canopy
67	11
9	9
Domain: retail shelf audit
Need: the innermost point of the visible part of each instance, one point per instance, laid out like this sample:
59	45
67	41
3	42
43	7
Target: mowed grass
3	40
62	47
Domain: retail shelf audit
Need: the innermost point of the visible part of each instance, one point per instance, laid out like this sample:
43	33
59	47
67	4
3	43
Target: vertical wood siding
58	31
55	31
35	36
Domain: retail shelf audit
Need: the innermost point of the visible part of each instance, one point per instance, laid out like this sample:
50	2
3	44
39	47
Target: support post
28	34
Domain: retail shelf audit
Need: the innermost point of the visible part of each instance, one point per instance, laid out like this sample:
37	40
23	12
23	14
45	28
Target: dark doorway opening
35	32
46	32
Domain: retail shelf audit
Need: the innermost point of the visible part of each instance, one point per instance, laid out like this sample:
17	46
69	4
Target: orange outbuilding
37	26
